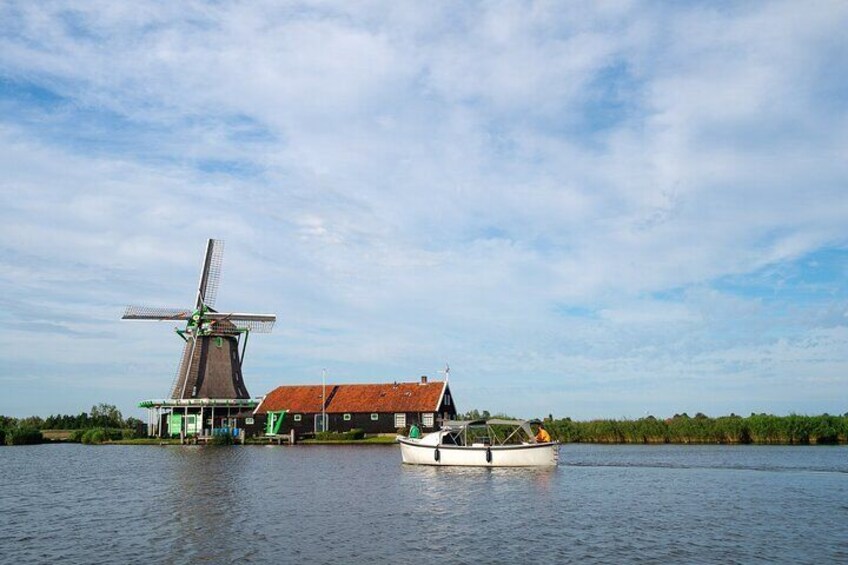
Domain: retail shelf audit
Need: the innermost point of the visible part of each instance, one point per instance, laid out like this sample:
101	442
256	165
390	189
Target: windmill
210	367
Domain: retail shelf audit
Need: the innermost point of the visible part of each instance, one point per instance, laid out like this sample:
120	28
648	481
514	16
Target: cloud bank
588	210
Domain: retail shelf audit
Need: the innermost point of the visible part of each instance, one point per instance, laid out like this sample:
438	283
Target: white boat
480	443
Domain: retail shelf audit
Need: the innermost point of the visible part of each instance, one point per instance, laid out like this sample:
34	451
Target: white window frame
298	417
427	420
346	417
375	416
400	420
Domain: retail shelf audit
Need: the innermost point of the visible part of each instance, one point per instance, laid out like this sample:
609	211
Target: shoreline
163	442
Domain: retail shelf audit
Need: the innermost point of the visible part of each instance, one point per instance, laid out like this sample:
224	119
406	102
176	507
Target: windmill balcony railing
173	402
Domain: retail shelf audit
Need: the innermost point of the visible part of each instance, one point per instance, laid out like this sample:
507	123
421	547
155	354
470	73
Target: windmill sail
210	274
176	386
260	323
161	314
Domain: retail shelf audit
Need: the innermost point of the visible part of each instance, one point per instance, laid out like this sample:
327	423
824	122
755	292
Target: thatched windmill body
209	374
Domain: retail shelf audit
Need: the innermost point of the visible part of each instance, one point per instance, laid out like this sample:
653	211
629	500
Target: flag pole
323	400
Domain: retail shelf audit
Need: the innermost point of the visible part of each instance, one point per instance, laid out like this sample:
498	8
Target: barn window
400	420
427	420
297	417
347	417
447	400
375	416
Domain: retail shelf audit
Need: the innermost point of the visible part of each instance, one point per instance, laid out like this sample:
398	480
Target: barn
374	408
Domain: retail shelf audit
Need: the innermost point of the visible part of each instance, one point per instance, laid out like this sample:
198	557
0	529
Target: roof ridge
417	383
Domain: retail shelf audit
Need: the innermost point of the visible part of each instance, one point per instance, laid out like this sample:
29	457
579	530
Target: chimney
423	379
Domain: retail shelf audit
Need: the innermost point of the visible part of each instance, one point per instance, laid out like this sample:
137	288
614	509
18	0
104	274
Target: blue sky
588	209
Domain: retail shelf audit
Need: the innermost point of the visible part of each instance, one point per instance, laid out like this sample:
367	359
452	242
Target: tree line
103	420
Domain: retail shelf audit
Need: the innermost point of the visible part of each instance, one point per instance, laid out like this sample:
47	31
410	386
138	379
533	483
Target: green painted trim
280	422
275	422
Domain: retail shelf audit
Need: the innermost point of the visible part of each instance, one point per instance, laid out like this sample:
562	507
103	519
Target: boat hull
529	455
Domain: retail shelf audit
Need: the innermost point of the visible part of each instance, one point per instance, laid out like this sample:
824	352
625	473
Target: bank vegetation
761	429
102	424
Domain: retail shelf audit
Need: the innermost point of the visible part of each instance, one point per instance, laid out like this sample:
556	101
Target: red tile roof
398	397
294	399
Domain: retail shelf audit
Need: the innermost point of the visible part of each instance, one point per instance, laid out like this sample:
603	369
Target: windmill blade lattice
152	313
259	323
210	273
184	359
257	326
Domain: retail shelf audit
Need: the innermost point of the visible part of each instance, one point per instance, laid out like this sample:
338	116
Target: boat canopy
489	422
463	425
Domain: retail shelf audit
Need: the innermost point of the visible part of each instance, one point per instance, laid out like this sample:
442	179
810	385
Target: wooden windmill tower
209	373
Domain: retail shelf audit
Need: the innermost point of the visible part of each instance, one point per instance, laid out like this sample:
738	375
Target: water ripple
87	504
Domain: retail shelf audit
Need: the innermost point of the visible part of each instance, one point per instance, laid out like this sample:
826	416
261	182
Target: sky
588	209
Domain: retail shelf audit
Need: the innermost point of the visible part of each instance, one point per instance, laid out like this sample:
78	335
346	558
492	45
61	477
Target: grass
373	440
144	441
57	435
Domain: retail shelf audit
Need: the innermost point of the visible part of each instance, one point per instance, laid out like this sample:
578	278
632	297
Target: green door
175	424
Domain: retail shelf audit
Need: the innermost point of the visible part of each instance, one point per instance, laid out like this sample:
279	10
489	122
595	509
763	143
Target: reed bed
682	429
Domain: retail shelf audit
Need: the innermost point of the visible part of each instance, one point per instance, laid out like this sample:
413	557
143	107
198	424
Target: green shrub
99	435
221	438
2	436
92	436
23	435
96	436
355	433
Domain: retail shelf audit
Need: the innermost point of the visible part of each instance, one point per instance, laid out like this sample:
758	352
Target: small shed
374	408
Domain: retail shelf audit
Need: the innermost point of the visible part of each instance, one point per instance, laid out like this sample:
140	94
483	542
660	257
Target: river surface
327	504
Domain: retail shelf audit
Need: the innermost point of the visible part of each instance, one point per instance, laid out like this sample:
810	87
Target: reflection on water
88	504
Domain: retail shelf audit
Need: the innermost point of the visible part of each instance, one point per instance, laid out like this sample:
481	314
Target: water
611	504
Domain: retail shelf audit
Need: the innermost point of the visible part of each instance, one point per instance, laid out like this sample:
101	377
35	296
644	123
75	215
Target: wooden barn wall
358	420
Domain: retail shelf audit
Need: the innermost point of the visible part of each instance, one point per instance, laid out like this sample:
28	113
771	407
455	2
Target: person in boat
414	432
542	436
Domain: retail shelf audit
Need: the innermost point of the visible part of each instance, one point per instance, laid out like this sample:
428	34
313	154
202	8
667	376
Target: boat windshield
452	438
